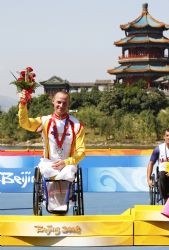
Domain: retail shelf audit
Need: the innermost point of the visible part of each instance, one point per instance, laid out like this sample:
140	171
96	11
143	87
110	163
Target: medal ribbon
56	134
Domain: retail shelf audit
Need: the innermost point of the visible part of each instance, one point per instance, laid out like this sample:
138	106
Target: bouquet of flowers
25	84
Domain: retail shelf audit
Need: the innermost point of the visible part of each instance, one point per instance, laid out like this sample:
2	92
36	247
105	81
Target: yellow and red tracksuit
73	145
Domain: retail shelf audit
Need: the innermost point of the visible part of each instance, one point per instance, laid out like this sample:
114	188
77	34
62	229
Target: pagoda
145	50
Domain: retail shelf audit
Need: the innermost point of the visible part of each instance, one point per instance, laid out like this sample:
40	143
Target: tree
132	99
85	98
154	100
111	100
76	100
41	105
90	116
162	122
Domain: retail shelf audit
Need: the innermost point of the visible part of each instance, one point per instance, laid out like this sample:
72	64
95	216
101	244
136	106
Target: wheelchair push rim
37	193
78	208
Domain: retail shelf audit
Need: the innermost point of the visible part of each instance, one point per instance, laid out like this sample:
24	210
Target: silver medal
59	152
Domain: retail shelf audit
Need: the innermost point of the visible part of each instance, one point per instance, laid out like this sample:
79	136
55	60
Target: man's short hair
62	92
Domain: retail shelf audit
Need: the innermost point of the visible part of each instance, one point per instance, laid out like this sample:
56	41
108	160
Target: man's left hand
59	164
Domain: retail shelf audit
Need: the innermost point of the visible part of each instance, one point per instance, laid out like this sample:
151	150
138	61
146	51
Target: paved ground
95	203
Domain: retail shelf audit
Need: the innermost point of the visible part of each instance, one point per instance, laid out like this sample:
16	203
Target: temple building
145	51
55	83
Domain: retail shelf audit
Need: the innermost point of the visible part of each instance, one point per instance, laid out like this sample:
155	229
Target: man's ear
52	99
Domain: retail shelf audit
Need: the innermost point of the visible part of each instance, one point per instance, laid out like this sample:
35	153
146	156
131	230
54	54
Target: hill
7	102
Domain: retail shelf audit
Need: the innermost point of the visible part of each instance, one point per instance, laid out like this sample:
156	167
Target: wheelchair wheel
160	199
152	191
37	193
155	197
78	208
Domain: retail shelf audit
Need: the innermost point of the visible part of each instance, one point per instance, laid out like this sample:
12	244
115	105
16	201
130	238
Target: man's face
61	104
166	137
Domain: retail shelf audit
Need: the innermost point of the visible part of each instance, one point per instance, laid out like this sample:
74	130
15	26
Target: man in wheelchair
161	155
63	139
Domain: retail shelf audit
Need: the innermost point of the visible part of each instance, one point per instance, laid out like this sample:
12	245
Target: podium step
99	230
140	225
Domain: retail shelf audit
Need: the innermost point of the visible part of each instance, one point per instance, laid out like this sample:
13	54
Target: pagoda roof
141	39
139	68
144	20
54	80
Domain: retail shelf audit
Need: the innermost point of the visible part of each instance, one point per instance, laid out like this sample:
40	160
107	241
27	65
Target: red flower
22	73
31	77
30	91
20	79
29	69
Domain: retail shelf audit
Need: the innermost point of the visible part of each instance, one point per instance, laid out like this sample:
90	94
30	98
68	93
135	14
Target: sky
72	39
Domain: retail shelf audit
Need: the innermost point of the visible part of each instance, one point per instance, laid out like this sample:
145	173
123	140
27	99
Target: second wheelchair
154	191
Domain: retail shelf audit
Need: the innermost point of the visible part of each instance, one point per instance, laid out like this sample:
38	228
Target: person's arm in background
154	157
149	173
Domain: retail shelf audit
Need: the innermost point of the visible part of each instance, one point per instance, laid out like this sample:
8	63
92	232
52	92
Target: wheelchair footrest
58	210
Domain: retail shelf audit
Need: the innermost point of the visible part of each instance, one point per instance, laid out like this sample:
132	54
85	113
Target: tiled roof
58	81
54	80
90	84
141	39
144	20
139	68
81	84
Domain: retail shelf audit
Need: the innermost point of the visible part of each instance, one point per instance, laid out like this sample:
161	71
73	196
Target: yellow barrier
100	230
67	241
141	225
150	226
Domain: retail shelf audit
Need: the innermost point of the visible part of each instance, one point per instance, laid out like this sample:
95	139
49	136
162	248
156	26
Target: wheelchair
154	191
74	194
